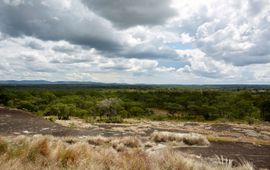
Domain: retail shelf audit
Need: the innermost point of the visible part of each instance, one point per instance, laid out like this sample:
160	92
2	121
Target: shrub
90	119
114	119
27	105
136	111
123	113
50	118
189	138
40	114
109	107
158	117
62	111
251	120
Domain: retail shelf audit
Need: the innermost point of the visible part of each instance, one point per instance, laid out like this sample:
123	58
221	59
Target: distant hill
99	84
60	83
42	82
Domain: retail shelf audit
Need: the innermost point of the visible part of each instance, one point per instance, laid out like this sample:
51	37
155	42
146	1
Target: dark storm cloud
50	22
64	49
150	52
33	18
69	61
34	45
128	13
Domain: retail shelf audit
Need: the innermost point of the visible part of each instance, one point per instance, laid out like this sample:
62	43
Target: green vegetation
116	103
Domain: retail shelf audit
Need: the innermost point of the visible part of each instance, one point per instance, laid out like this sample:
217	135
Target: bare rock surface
16	122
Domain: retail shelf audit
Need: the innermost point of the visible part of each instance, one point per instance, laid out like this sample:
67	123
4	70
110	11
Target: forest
115	103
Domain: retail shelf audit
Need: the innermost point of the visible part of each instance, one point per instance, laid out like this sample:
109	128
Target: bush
158	117
206	104
265	108
50	118
80	112
28	106
113	119
40	114
187	138
62	111
124	114
109	107
136	111
251	120
90	119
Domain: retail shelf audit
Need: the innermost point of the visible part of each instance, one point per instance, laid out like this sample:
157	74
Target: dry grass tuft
168	159
122	144
73	154
131	142
47	152
3	146
98	140
187	138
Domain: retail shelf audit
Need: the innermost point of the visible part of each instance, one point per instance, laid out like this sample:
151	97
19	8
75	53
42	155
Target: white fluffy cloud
45	59
236	32
204	66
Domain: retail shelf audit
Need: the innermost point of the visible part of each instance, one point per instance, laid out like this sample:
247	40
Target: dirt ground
233	141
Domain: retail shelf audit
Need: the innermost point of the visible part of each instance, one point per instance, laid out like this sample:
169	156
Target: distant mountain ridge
100	84
43	82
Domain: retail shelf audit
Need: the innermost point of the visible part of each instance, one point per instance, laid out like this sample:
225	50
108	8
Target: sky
142	41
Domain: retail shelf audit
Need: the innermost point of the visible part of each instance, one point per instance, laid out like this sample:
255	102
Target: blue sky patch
180	46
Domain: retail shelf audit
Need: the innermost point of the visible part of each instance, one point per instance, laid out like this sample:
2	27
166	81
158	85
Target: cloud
149	41
129	13
17	57
236	32
201	65
54	20
73	22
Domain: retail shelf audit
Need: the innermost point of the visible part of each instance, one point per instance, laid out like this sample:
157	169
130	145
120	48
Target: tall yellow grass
47	152
187	138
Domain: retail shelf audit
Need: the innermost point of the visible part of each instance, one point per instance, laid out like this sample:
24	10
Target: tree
173	108
265	107
109	107
62	111
28	105
136	111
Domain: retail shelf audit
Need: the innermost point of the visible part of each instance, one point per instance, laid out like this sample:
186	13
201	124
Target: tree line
114	104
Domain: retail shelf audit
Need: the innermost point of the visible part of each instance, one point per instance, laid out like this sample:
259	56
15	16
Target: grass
104	119
231	139
47	152
3	146
98	140
126	142
143	126
187	138
50	118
